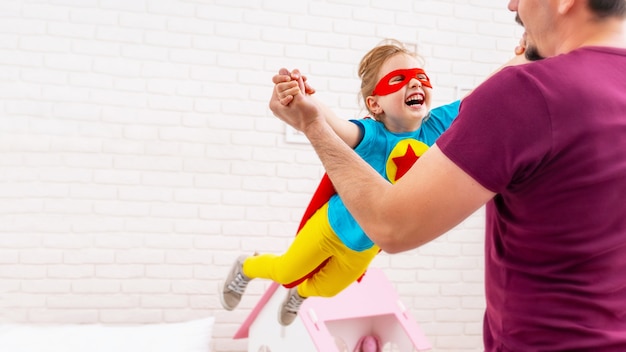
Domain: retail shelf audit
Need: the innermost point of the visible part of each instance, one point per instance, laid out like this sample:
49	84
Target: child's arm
289	84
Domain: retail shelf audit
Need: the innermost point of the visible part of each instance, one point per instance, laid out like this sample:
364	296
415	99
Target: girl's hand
289	84
521	47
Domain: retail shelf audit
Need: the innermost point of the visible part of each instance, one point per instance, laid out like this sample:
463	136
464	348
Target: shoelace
238	284
293	305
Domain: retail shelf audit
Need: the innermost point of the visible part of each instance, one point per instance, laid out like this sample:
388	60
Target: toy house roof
369	305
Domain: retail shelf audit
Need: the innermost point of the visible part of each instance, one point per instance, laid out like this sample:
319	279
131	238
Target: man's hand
287	85
290	105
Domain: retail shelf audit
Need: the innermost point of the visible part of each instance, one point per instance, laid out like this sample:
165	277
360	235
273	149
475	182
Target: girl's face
404	109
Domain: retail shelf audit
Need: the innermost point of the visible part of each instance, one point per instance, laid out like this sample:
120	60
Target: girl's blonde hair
372	62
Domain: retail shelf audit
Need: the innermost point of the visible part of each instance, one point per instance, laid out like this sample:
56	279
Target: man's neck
608	33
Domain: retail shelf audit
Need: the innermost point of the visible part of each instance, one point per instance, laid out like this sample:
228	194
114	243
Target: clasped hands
291	100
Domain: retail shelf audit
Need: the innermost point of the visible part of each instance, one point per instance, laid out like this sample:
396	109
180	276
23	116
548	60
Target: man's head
557	26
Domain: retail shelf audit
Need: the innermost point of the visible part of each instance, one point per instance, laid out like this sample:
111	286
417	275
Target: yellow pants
315	242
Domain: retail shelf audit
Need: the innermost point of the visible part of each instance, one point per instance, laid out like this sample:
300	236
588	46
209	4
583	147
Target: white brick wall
138	156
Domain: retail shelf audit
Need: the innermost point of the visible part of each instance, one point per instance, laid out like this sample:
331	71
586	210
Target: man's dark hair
608	8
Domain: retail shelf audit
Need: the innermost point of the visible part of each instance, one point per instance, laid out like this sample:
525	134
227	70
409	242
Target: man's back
550	139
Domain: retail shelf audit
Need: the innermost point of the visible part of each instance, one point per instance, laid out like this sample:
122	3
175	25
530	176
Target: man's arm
431	198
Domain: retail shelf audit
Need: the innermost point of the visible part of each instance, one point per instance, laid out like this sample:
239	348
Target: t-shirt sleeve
359	124
369	133
503	131
441	117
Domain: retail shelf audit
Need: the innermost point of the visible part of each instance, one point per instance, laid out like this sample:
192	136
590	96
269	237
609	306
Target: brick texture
138	156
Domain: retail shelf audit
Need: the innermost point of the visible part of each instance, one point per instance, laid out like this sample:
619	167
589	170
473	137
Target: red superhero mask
395	80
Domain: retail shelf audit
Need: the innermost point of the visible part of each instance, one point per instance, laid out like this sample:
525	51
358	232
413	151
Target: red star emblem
404	163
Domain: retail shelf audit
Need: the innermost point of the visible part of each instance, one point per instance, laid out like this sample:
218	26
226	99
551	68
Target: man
544	146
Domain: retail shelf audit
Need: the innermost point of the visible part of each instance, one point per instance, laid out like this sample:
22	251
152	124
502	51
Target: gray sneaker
233	288
290	306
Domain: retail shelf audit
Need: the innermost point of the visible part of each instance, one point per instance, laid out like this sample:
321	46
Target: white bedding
191	336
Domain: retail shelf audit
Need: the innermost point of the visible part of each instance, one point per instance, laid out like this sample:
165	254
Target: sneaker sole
281	322
220	293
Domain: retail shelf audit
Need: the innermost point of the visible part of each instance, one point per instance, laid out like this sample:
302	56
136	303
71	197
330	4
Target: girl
331	251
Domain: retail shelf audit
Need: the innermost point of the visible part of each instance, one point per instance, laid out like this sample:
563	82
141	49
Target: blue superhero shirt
391	155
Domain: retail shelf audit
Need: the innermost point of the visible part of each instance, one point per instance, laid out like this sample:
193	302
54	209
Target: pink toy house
335	324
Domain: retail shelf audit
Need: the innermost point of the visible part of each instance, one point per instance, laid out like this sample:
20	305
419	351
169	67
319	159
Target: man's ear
373	106
565	6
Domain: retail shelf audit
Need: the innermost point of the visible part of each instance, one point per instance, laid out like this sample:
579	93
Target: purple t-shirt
550	139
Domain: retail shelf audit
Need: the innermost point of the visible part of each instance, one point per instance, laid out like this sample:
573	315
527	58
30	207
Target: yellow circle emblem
403	156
